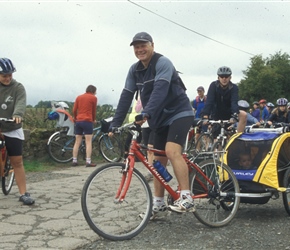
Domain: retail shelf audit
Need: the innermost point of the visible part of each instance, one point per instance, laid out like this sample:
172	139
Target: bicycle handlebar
2	119
218	121
129	126
279	127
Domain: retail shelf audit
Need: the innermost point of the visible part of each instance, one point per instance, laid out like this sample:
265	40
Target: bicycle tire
8	178
286	195
204	142
109	219
60	147
218	149
190	142
210	209
110	148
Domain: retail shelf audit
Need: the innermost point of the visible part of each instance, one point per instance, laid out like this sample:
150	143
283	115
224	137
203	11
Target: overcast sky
60	47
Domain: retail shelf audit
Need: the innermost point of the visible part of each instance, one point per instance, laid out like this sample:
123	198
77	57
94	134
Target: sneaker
157	212
26	199
74	164
149	177
90	165
182	205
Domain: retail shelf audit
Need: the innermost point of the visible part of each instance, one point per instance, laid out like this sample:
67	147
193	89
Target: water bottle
162	171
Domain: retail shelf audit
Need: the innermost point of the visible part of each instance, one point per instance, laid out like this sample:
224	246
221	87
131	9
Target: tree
105	111
266	78
43	104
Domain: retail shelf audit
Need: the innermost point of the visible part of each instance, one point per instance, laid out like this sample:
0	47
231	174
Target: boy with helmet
270	106
265	112
279	114
251	120
256	111
13	104
222	100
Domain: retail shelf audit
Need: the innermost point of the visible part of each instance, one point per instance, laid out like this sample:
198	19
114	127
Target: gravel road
254	227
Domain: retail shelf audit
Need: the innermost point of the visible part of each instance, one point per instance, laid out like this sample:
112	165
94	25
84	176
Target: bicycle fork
127	173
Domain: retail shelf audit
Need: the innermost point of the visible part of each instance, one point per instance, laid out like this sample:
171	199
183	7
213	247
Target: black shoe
90	164
74	164
26	199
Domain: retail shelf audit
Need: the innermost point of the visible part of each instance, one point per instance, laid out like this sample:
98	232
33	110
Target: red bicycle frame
135	151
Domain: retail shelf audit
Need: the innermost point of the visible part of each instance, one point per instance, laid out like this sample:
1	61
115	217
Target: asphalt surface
56	222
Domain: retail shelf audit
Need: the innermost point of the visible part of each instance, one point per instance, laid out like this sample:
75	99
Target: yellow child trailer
260	160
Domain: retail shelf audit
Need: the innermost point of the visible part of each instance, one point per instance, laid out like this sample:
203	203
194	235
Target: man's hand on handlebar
112	131
17	119
205	120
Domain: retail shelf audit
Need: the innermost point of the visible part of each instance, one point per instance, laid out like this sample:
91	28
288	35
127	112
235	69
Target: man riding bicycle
167	109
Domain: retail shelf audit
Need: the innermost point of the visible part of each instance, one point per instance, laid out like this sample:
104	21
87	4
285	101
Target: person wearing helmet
265	113
13	104
222	100
256	111
279	114
270	106
244	105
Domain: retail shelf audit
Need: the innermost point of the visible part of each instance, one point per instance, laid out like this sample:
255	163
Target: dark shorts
147	136
176	132
14	146
84	128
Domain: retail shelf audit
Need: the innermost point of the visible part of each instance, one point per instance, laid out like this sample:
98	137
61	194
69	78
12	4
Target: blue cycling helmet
6	66
282	102
224	70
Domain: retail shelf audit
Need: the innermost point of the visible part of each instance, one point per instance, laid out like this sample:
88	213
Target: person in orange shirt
84	112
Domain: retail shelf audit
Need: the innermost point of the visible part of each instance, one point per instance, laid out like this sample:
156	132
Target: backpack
197	100
153	63
52	115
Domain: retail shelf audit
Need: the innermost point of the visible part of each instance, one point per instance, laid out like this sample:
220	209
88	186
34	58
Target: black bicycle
60	146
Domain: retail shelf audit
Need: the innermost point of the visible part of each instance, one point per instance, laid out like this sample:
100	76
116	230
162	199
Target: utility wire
182	26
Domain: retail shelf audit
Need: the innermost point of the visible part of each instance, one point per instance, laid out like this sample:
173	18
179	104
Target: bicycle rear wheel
8	178
210	209
60	147
110	148
109	218
286	195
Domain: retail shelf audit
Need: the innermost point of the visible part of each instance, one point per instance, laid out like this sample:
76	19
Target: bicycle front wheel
217	148
60	147
204	142
217	203
8	178
110	218
110	148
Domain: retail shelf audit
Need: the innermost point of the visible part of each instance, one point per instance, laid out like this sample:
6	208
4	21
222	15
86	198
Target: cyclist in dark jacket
167	109
222	99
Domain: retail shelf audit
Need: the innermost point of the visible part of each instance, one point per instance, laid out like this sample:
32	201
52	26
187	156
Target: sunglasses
224	76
